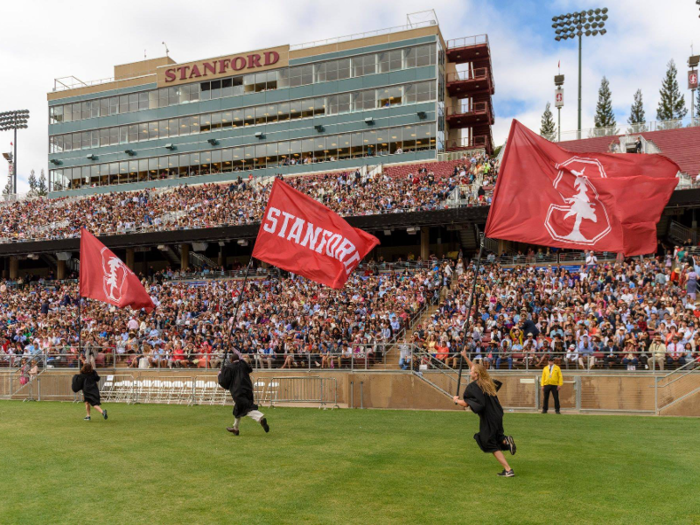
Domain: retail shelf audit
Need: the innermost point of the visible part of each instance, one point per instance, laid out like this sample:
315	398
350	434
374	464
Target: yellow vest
554	379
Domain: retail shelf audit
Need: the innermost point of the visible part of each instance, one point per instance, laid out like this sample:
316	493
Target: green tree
672	103
41	188
548	129
32	182
7	191
697	103
637	118
604	118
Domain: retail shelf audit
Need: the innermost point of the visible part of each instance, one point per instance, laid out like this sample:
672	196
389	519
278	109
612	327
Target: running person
235	377
481	396
88	381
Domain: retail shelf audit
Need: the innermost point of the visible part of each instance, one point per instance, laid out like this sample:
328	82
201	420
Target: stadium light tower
14	120
580	24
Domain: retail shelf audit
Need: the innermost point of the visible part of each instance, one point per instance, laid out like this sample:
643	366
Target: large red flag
103	276
301	235
589	201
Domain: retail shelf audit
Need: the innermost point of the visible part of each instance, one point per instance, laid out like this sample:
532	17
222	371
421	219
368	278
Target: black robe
91	392
490	436
235	377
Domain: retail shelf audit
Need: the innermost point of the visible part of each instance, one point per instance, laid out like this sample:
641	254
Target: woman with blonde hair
481	396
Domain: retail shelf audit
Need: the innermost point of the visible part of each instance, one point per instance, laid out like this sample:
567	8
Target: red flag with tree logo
549	196
104	277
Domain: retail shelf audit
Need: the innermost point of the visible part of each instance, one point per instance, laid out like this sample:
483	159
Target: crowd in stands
283	321
638	314
419	187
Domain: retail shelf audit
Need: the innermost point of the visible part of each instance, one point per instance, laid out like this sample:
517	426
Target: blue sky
84	38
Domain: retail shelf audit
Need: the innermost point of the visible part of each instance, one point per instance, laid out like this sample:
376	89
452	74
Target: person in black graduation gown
235	377
88	382
481	396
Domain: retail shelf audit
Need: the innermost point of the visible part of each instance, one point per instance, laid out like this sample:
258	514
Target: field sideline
176	464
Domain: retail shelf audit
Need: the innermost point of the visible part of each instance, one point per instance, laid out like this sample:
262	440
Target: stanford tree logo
114	277
580	217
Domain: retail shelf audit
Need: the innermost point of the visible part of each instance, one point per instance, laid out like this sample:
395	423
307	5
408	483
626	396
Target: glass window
133	170
143	100
124	135
152	169
391	96
183	94
95	138
194	122
184	165
237	118
364	100
215	89
249	83
173	96
226	119
226	160
124	104
133	133
216	121
364	65
76	112
86	140
307	108
58	114
173	128
104	107
227	87
95	109
249	116
133	102
162	97
205	123
261	114
114	105
343	68
194	92
271	112
357	147
143	131
307	75
295	109
113	136
152	130
283	111
104	137
184	126
237	85
153	99
68	113
143	169
85	109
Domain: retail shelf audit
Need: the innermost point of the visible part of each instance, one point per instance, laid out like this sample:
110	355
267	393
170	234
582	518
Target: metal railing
480	73
301	389
467	108
467	41
366	34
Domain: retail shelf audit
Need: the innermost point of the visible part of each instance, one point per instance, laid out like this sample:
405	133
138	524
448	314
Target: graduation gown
91	390
235	377
490	436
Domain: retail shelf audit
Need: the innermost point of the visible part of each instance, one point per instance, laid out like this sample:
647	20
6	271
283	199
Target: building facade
397	97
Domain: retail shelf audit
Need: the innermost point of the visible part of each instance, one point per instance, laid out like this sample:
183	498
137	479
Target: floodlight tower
14	120
580	24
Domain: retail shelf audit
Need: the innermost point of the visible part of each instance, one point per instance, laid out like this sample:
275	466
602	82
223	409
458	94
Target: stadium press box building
400	95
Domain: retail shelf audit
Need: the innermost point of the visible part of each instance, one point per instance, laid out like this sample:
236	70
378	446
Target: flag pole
473	301
235	311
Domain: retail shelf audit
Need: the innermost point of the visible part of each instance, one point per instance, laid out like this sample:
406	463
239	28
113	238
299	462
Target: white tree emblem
115	272
580	201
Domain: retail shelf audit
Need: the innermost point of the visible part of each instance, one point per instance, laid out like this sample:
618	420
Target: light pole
14	120
580	24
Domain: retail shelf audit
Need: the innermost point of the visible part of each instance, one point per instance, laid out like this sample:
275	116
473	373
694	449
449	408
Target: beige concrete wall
142	67
396	390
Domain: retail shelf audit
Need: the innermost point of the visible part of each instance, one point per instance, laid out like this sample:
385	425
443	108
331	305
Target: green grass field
176	464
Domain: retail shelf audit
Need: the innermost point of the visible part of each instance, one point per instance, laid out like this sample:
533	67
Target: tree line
671	108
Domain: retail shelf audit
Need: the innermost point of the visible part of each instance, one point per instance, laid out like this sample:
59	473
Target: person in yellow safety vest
552	381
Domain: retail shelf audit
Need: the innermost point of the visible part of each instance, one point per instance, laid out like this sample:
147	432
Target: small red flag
104	277
549	196
301	235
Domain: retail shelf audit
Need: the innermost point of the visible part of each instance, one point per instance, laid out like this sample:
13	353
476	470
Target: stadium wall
588	392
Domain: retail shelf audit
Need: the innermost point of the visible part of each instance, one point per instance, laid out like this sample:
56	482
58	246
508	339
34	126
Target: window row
411	57
256	115
387	141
